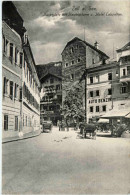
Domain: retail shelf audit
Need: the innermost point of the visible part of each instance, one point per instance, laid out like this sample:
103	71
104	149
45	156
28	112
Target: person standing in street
59	124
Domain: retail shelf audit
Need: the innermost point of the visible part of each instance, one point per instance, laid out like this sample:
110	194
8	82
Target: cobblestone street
62	162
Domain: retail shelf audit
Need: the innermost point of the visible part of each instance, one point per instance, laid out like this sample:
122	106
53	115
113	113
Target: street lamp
117	74
86	89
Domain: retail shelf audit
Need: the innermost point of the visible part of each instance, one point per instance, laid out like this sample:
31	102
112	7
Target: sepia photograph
65	97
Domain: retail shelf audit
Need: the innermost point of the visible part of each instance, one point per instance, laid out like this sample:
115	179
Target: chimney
25	38
96	45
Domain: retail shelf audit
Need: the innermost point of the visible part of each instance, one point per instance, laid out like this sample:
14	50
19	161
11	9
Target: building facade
12	51
51	98
100	92
31	91
76	57
13	60
108	86
122	87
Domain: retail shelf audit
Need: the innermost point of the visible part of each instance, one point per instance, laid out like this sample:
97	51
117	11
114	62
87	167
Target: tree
73	109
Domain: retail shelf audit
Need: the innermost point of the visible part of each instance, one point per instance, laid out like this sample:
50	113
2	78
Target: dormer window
72	50
72	62
78	60
93	61
72	76
66	65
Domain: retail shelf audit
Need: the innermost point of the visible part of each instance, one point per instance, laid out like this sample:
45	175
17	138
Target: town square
65	97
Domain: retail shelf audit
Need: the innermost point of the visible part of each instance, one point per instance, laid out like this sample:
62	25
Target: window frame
97	95
91	94
91	109
110	91
122	91
110	76
91	79
11	51
104	110
16	123
6	122
11	91
97	110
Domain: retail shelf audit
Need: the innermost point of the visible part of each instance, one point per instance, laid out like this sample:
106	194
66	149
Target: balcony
50	91
125	78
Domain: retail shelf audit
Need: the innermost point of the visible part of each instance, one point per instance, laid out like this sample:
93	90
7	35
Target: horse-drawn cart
89	129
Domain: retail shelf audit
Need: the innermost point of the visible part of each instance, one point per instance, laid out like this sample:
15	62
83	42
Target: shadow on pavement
104	135
79	136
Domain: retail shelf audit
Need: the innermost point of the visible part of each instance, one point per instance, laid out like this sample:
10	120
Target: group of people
62	125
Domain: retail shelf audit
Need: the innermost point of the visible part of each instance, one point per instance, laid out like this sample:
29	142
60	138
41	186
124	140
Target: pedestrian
59	124
67	126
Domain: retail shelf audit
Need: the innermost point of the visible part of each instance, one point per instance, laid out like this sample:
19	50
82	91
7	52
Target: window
26	121
93	61
104	108
72	62
97	108
11	52
57	87
16	55
124	89
16	123
91	93
97	78
91	79
110	91
20	94
97	92
5	122
66	65
16	91
76	46
110	76
72	76
21	59
128	70
78	60
72	50
51	80
124	72
6	46
11	89
91	109
6	83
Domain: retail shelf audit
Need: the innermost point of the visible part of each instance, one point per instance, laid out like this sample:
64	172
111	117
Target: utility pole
113	51
86	75
84	33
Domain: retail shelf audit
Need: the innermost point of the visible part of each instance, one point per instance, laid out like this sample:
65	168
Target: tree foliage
73	103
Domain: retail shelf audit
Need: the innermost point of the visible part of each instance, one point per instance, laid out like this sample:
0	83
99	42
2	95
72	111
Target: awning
127	116
116	113
102	120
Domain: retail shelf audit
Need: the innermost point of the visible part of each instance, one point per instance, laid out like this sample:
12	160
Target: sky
49	29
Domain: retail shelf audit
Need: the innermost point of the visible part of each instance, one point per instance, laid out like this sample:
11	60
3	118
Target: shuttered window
6	122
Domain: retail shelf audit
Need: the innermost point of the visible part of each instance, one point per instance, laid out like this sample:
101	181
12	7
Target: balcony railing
125	78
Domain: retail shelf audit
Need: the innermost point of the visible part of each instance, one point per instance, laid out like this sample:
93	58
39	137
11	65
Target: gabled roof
43	69
50	74
126	47
87	44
